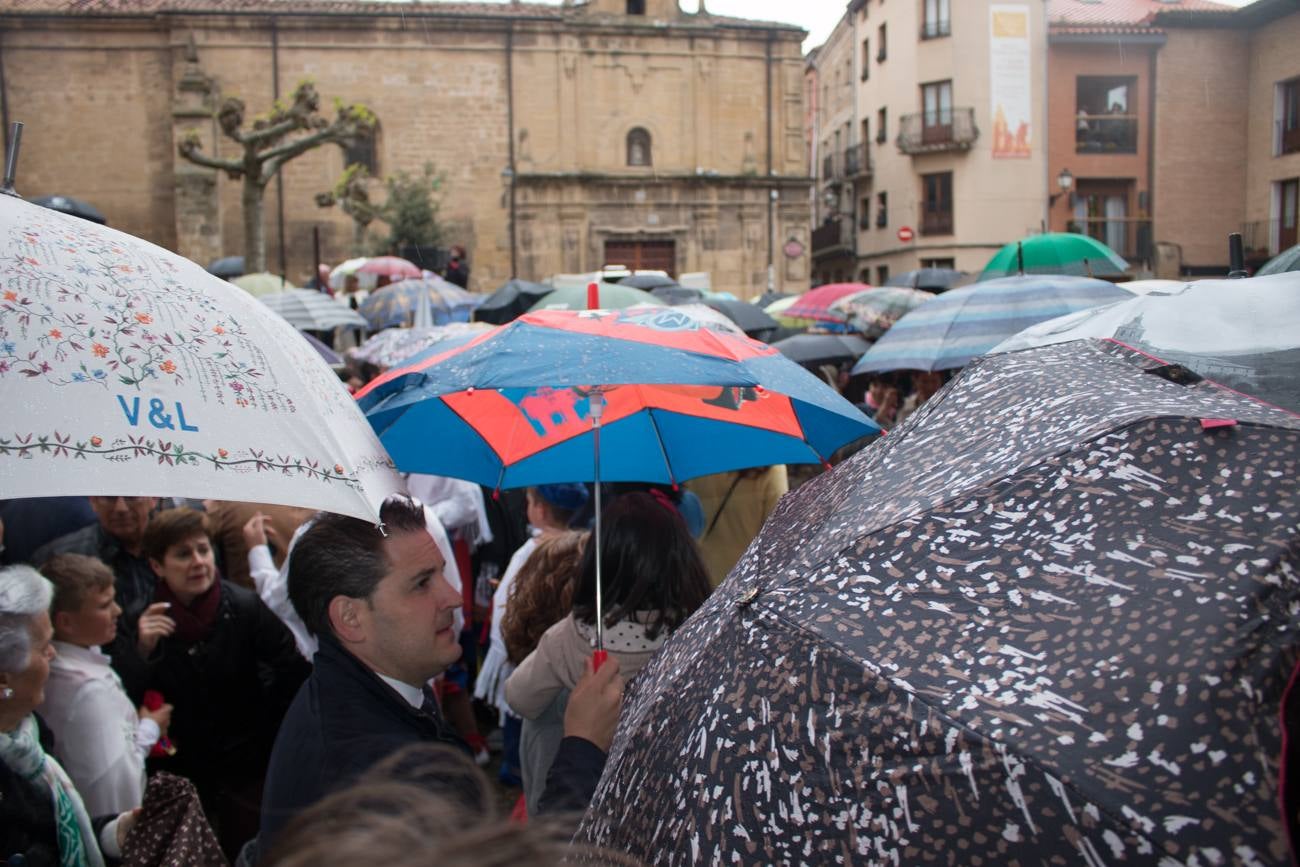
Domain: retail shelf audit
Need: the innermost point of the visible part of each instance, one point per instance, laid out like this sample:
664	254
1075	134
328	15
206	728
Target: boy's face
93	624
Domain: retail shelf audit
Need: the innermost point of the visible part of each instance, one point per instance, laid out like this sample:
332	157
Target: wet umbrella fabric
673	294
1047	620
74	207
956	326
1244	334
875	311
1055	253
751	320
816	304
935	279
512	408
227	268
392	267
310	310
647	282
139	373
397	303
815	349
394	346
511	301
1287	260
612	297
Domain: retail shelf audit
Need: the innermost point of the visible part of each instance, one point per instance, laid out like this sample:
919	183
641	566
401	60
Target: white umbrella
1242	333
129	370
701	313
312	311
339	276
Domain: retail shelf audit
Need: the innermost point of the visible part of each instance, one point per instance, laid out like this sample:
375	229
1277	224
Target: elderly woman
226	664
42	818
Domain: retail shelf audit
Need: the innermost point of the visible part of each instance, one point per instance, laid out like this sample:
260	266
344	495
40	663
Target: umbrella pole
597	403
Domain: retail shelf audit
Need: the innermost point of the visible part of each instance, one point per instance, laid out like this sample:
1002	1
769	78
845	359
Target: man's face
124	518
408	621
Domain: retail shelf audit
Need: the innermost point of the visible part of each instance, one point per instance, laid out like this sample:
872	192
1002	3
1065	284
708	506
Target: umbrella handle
598	658
596	402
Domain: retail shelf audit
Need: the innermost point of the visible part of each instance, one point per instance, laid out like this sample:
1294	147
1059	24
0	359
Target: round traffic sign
905	234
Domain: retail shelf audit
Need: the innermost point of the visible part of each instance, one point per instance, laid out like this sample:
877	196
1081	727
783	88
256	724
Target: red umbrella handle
593	296
598	658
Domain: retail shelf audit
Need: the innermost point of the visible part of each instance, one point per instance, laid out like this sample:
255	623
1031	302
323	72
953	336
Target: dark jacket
229	691
343	720
133	579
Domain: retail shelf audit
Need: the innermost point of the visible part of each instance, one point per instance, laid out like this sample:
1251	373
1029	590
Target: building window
635	7
936	114
881	44
948	262
1288	213
882	275
1106	118
882	210
638	148
881	135
1288	117
936	20
936	204
866	59
364	151
864	213
1101	211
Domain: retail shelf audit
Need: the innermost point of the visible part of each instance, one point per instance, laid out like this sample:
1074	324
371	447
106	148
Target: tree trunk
254	228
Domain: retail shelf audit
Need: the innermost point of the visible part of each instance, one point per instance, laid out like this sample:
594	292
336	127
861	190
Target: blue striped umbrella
396	303
957	326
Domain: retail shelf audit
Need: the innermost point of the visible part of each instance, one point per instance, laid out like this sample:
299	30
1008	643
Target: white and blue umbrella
955	327
397	303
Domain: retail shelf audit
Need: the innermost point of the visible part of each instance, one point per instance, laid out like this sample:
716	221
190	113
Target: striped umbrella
950	330
817	303
875	311
308	310
396	303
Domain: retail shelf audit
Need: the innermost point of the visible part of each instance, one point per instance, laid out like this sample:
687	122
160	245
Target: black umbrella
227	268
647	281
932	279
510	301
675	294
69	205
749	318
771	297
1048	620
815	349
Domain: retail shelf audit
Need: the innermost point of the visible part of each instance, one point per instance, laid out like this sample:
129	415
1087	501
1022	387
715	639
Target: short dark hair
342	556
75	576
168	527
650	562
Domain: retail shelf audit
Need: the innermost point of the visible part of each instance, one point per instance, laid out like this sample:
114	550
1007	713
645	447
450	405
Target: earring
6	693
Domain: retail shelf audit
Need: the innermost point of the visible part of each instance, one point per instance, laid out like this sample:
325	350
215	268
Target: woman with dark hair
653	579
223	660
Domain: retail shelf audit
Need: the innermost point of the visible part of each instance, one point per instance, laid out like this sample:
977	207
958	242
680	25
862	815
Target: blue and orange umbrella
515	406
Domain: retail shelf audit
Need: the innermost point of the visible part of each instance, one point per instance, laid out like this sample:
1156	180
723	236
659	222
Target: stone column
197	205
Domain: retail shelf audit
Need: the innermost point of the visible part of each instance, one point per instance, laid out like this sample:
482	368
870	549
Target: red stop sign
905	234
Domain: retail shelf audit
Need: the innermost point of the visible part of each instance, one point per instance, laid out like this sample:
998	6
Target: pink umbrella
817	303
392	267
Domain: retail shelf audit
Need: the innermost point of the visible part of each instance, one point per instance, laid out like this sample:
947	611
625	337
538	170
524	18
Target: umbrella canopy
954	327
512	408
1047	618
338	278
875	311
1287	260
814	349
1146	287
262	283
674	294
934	279
771	296
332	358
227	267
648	281
1242	333
310	310
510	301
69	205
706	316
612	297
394	346
1055	253
398	302
816	304
751	319
392	267
138	373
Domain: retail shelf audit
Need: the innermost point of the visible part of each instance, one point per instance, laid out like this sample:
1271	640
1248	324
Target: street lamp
1065	181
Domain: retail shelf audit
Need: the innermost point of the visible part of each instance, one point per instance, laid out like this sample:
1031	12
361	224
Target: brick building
613	131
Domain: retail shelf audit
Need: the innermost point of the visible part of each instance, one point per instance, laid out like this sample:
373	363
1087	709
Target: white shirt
98	737
413	695
490	685
273	585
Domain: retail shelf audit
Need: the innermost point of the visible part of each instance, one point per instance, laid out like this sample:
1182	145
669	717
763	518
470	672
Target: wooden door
643	255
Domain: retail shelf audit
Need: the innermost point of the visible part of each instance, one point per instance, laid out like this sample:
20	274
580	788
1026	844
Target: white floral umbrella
126	369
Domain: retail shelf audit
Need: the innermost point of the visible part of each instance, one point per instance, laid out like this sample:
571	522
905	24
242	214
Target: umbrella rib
659	440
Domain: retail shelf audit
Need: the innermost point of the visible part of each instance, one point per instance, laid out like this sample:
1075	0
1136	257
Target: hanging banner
1011	69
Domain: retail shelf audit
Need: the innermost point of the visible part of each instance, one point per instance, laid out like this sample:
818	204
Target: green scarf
21	751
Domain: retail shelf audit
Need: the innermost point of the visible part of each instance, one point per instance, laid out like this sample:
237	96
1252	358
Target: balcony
936	29
1106	134
857	162
833	237
1264	239
935	222
1128	236
930	132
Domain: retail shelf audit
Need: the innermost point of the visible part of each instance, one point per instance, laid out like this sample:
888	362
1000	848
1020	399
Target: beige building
949	136
608	132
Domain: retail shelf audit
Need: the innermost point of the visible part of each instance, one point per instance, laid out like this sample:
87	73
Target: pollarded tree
291	129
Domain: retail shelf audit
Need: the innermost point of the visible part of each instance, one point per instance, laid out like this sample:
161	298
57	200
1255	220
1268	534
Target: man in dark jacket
384	618
115	538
